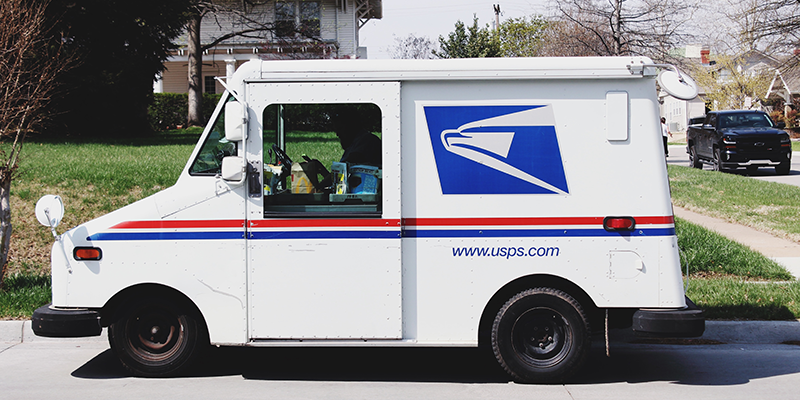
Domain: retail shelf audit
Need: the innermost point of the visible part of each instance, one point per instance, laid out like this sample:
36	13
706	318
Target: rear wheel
156	337
541	335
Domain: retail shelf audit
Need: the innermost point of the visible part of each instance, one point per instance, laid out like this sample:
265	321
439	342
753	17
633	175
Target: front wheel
541	335
783	168
155	337
717	166
694	161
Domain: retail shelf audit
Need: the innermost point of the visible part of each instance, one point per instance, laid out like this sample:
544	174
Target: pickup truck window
744	120
711	120
322	159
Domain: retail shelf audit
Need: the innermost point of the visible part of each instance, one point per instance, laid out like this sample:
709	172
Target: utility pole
497	17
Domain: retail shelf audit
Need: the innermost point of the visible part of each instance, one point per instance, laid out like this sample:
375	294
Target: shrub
169	110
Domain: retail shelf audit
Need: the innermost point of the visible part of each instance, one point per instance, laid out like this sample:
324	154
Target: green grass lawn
767	206
727	279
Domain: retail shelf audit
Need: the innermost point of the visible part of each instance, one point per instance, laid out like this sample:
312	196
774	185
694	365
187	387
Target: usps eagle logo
496	149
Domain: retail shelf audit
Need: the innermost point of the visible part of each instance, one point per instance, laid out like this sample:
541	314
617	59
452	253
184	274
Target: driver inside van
359	144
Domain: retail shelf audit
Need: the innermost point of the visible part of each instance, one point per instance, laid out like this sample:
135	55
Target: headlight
728	140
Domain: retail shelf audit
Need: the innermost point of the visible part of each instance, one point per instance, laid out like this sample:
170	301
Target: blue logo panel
496	149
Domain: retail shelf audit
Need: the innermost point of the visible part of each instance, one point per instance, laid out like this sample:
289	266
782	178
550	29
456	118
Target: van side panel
472	236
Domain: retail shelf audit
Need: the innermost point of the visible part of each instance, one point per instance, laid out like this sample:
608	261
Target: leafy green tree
472	42
523	37
122	46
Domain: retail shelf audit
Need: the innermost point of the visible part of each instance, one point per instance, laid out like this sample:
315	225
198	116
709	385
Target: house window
210	85
297	17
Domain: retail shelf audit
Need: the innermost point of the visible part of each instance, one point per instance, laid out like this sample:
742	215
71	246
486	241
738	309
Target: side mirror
49	211
233	169
781	125
679	86
234	121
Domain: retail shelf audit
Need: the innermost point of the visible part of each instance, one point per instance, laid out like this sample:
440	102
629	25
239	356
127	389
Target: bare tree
730	83
298	41
30	64
626	27
412	46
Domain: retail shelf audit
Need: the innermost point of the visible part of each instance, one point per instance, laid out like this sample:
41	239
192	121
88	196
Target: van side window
322	159
215	148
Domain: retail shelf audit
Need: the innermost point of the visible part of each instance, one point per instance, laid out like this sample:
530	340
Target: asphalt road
79	369
678	156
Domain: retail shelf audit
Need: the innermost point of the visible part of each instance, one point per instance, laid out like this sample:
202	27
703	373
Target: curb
21	332
738	332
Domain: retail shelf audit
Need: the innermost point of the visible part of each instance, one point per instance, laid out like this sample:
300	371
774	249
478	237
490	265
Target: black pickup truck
739	139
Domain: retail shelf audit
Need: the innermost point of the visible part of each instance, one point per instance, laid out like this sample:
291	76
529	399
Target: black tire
541	335
156	337
694	161
783	168
717	165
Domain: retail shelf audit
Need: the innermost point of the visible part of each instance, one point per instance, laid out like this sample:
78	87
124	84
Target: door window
322	159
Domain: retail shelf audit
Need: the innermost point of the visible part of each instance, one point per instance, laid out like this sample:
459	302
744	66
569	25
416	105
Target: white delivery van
517	204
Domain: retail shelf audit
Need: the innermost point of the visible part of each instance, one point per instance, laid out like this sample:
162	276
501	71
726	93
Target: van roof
449	69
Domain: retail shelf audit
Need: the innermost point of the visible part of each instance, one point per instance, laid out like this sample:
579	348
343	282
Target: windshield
745	120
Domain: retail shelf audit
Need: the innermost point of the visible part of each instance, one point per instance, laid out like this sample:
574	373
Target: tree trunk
5	223
195	101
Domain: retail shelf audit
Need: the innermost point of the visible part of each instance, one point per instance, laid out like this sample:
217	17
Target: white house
329	30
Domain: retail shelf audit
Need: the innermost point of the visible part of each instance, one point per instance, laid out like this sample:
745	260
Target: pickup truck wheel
541	335
783	168
694	161
155	337
717	166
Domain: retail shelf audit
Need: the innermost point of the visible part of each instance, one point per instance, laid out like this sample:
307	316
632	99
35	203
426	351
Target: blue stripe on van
166	236
410	233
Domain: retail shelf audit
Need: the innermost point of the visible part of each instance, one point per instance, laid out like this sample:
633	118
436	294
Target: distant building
333	25
785	87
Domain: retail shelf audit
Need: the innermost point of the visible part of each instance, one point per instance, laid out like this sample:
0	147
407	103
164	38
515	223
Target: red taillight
87	253
613	224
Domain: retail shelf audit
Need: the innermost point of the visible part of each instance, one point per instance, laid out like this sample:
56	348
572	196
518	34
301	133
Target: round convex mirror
49	210
679	86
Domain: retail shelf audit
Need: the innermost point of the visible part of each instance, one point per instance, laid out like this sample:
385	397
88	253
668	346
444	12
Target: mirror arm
235	95
58	239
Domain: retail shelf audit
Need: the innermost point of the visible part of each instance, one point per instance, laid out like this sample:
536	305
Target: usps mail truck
516	204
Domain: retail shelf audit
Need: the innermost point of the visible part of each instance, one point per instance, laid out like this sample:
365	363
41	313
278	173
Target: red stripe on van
526	221
213	223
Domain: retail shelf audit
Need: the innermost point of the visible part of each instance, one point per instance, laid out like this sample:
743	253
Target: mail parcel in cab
516	204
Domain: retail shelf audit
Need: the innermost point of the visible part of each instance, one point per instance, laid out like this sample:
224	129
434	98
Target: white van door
323	211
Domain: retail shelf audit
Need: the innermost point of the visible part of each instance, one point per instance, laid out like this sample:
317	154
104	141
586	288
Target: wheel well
532	281
119	300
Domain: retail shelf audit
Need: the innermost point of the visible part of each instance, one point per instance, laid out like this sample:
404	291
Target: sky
432	18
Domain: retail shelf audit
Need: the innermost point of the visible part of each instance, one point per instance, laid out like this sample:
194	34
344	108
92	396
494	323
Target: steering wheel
282	157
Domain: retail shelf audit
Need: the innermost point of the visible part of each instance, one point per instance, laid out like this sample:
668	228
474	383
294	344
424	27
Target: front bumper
741	159
49	321
686	322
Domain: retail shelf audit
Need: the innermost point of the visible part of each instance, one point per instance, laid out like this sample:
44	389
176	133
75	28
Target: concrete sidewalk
782	251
